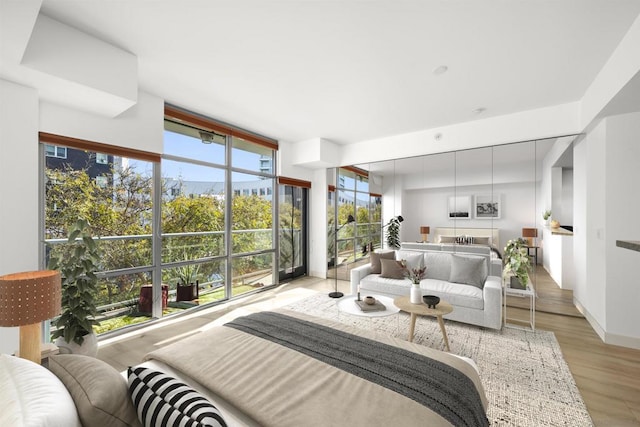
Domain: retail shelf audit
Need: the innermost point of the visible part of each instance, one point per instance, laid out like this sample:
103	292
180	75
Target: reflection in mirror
487	194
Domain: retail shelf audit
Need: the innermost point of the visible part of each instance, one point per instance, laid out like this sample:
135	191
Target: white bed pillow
32	396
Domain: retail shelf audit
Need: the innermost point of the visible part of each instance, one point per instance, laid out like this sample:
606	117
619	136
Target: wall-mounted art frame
459	207
487	206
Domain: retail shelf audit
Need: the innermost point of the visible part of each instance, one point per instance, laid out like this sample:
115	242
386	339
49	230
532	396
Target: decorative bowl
431	300
369	300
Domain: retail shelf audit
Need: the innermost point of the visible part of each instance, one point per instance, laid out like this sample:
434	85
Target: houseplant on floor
393	232
77	263
516	263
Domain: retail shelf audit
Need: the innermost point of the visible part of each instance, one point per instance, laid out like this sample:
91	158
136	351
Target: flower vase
416	294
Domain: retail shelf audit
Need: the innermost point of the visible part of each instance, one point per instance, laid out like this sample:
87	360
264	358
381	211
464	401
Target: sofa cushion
413	259
469	270
375	257
374	284
455	294
438	265
392	269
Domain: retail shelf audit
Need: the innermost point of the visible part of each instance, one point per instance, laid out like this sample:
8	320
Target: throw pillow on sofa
468	270
411	259
392	269
375	257
438	265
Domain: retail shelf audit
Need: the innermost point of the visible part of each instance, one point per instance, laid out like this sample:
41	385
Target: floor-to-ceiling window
194	212
200	217
223	230
113	191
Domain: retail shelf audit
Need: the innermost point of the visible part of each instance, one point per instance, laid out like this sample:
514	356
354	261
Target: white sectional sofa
460	277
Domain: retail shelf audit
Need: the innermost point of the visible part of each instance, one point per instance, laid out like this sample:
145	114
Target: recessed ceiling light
479	110
440	70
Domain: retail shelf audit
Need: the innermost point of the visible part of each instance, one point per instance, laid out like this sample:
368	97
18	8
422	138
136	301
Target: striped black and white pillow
161	400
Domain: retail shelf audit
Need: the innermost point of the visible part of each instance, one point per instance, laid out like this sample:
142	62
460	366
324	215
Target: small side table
530	292
443	307
535	253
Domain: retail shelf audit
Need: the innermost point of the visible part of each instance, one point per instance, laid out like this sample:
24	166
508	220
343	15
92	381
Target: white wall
540	123
592	173
141	127
286	165
607	202
19	192
318	224
622	186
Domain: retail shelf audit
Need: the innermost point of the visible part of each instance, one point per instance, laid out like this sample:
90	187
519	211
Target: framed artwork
487	206
459	207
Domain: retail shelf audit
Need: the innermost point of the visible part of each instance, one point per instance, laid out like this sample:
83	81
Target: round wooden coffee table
443	307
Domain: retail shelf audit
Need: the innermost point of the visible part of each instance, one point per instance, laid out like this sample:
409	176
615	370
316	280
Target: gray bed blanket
430	382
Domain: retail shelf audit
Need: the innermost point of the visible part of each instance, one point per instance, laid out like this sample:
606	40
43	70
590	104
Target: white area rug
524	374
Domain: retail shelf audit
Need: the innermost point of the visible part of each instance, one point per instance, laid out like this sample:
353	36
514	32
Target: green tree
121	208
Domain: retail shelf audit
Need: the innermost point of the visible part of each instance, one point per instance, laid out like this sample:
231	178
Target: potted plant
516	263
393	232
546	215
415	275
187	286
77	264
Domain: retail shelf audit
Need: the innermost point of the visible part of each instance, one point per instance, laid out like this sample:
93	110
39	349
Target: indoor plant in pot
77	264
415	275
546	215
393	232
516	263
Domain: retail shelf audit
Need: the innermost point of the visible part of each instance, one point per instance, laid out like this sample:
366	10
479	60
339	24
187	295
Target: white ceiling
350	71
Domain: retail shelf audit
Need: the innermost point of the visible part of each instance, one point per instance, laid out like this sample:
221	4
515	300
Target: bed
283	368
489	237
274	385
485	236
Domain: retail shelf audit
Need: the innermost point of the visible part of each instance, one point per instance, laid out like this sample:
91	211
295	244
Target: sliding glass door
293	236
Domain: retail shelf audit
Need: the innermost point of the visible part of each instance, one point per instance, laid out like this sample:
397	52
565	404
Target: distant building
99	166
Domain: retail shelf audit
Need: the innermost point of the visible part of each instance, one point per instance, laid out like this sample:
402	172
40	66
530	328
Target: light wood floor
607	376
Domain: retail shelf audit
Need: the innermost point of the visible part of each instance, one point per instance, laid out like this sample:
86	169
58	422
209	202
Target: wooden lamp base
30	337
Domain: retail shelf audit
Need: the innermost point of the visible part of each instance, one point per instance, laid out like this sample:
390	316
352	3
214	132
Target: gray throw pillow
438	265
392	269
468	270
100	393
375	257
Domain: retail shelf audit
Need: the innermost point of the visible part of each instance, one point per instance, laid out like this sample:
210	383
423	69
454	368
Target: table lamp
530	234
425	233
26	300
